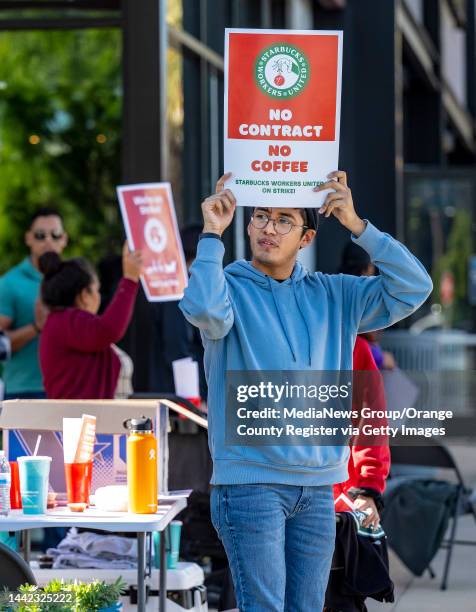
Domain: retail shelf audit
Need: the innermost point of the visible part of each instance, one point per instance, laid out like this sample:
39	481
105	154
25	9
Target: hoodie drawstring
281	319
305	320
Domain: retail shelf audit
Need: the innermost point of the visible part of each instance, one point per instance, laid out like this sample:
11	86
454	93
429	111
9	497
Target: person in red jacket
369	461
76	354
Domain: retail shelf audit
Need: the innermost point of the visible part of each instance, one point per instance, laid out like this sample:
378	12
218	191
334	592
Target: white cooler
185	589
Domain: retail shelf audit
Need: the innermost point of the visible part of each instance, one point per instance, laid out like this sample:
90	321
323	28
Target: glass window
441	232
453	41
416	9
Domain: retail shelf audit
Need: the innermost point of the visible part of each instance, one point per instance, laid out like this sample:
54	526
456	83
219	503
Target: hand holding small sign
131	263
218	209
339	202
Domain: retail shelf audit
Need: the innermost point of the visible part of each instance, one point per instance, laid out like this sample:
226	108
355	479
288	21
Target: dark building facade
407	125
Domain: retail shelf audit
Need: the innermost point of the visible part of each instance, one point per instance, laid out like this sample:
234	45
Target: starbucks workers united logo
282	71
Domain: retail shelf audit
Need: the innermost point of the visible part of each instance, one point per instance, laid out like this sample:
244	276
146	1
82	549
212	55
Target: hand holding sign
131	263
339	202
152	233
218	209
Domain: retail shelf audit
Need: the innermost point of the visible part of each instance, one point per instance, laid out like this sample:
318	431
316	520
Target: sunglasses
41	236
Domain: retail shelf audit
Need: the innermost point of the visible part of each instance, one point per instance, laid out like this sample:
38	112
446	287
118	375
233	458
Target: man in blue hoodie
272	506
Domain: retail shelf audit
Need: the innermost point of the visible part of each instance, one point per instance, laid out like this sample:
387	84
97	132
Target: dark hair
45	211
354	260
311	218
189	235
63	281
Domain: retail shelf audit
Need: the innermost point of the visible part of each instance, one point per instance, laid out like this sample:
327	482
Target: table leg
141	591
150	537
162	575
26	545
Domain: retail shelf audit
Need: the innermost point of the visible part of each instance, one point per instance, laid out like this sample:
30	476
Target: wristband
36	328
209	235
354	492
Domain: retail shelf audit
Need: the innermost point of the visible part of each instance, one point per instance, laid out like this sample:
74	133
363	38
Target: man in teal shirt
22	315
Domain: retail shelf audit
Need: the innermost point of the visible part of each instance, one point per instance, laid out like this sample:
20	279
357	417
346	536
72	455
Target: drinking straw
38	440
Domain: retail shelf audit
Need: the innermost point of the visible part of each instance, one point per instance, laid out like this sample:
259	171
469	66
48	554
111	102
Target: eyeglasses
41	236
281	224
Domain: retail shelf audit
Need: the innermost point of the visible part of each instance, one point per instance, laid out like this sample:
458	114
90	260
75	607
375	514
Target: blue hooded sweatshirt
249	321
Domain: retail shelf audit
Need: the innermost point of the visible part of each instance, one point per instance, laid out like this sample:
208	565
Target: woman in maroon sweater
76	355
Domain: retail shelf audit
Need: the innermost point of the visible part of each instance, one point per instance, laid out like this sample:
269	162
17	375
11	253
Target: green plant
29	598
60	137
96	595
71	597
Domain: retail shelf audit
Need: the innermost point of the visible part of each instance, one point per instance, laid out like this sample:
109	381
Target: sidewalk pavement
423	594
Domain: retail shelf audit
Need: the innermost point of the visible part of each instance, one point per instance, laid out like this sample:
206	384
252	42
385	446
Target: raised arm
206	301
403	284
88	332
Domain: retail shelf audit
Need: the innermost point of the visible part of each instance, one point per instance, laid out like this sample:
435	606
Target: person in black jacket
175	337
359	568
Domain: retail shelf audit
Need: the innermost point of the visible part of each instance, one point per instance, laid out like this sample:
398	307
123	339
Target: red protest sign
282	114
150	222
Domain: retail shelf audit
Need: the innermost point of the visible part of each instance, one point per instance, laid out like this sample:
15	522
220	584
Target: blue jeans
279	540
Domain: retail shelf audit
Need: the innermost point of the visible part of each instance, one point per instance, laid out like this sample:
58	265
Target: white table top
169	507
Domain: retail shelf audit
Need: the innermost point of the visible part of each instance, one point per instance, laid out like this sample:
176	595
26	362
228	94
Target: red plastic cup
78	482
15	495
